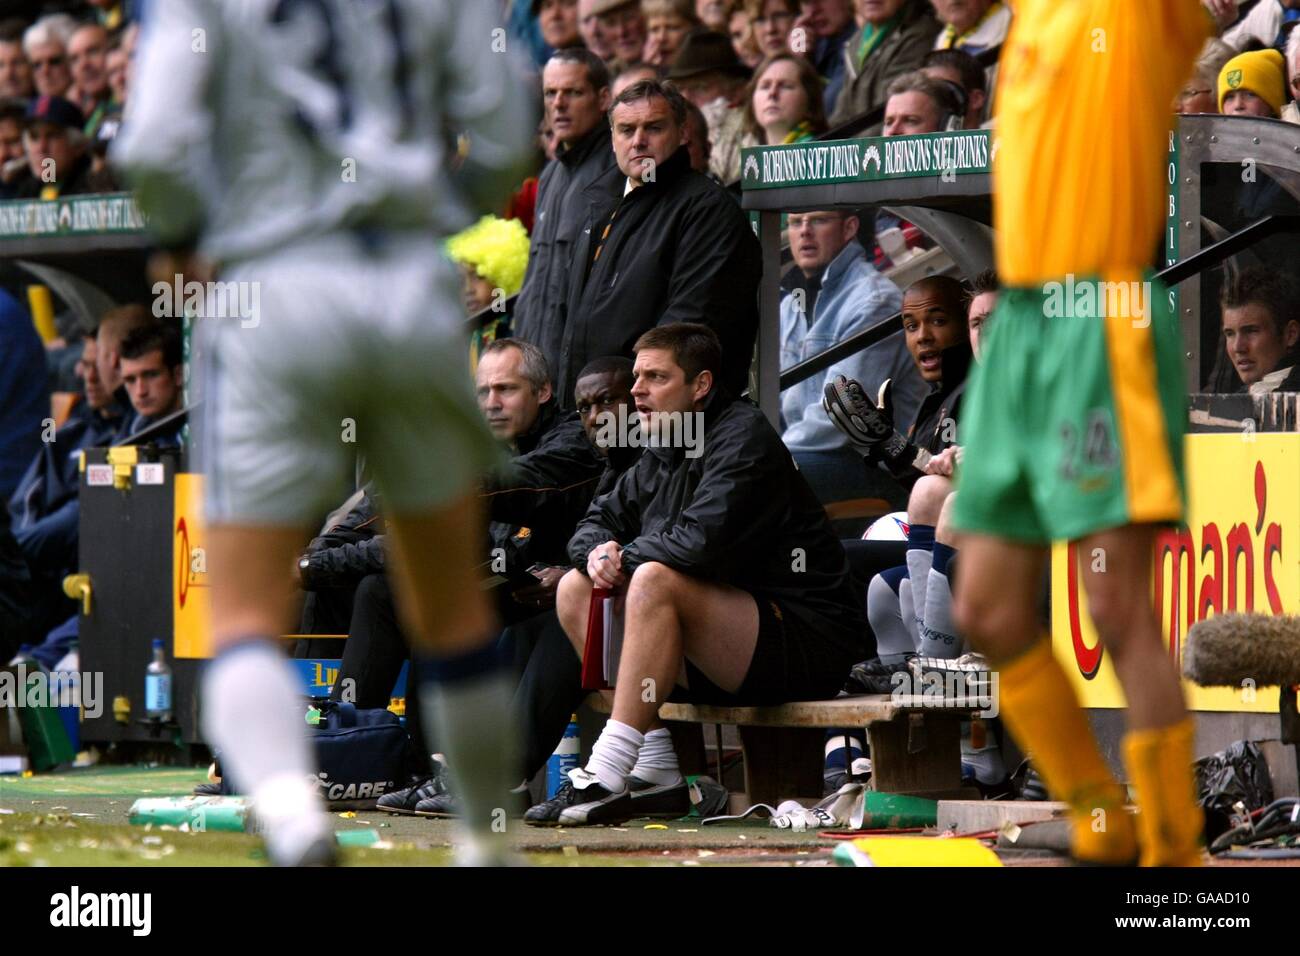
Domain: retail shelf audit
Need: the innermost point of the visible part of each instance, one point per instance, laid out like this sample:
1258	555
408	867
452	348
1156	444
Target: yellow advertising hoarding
1232	554
190	601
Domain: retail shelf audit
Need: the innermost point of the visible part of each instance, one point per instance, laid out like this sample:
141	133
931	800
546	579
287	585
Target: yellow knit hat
1262	72
497	249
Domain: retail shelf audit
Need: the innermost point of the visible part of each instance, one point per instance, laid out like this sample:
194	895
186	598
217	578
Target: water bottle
158	686
564	759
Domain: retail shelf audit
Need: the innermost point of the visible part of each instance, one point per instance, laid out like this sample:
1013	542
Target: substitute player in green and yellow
1073	426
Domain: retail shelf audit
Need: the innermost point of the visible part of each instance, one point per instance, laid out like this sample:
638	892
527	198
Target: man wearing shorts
736	588
303	150
1073	425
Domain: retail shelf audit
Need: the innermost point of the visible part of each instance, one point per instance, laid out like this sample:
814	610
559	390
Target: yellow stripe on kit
1150	482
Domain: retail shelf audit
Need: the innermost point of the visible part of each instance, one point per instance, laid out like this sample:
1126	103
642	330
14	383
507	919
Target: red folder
593	651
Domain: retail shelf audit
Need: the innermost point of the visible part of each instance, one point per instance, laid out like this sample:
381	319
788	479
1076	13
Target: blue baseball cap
57	111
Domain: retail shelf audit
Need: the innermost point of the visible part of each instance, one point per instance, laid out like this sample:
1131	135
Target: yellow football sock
1042	711
1170	821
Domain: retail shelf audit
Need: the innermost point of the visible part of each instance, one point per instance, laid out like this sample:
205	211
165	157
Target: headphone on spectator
954	113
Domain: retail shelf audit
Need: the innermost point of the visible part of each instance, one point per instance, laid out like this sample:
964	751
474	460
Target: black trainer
407	801
659	800
591	805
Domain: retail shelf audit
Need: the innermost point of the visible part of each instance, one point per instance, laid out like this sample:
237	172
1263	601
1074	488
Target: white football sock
614	755
252	714
657	760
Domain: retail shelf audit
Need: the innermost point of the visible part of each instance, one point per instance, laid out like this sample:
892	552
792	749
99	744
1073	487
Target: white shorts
349	350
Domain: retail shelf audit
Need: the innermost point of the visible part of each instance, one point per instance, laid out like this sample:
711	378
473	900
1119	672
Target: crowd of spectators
629	244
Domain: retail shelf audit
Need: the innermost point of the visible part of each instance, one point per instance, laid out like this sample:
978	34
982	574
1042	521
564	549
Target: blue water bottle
158	686
564	759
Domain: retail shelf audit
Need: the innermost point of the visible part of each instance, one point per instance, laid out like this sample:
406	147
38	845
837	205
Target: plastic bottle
158	686
564	759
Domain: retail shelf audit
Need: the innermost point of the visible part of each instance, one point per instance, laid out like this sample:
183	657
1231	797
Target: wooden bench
915	749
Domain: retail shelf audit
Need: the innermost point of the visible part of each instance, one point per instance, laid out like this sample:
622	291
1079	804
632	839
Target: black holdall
361	754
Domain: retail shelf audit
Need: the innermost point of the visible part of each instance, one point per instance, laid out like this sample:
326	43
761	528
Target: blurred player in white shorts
304	150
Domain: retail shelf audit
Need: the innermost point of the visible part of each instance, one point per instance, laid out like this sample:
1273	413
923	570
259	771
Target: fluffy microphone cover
1224	650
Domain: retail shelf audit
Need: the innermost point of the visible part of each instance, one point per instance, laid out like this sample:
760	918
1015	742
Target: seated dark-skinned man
735	587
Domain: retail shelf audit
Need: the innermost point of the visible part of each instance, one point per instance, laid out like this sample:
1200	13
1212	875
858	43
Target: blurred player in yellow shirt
1073	426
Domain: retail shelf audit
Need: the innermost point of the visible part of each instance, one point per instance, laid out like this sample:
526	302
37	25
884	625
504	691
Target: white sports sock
985	760
939	637
614	754
657	760
884	612
907	610
252	715
918	572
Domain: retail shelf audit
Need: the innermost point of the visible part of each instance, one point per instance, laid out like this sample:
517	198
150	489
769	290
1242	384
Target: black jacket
679	250
561	214
349	550
545	488
739	514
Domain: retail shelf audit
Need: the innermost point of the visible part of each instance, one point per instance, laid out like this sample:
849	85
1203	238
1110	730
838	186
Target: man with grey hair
920	103
665	244
46	45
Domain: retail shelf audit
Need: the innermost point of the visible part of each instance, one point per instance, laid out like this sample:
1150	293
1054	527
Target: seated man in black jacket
736	588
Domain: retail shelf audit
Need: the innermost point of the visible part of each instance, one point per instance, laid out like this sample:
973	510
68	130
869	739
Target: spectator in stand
15	71
1253	84
575	91
46	46
594	36
558	21
119	69
714	14
697	139
917	104
1261	328
963	71
830	24
623	24
713	603
666	23
783	102
1198	94
772	22
630	74
971	25
1262	25
13	156
894	37
525	29
833	293
741	32
58	157
88	61
665	244
709	74
1291	112
492	255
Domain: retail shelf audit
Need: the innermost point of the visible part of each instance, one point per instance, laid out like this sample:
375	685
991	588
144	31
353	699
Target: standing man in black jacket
736	588
575	93
665	244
